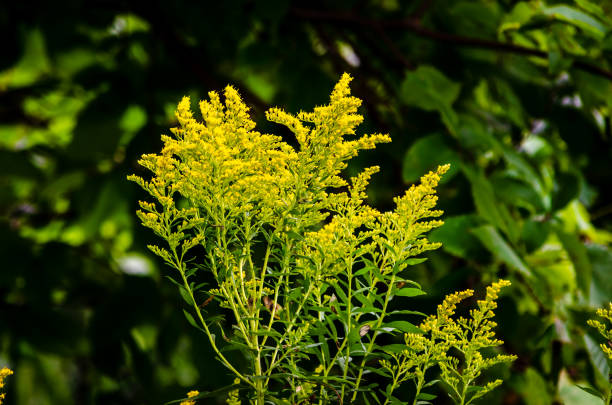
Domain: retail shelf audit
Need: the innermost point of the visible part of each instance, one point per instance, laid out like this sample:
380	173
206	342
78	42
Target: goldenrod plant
469	337
304	270
4	372
440	334
605	329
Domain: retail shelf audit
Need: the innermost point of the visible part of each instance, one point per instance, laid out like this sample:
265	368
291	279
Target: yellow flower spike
604	329
4	372
444	336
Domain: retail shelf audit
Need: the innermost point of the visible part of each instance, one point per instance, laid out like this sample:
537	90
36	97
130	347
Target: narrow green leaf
410	292
487	205
430	383
185	295
579	256
591	391
495	243
429	89
426	154
190	319
426	396
402	326
365	310
394	348
413	261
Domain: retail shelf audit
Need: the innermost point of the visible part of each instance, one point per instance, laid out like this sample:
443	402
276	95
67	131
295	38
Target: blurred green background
515	95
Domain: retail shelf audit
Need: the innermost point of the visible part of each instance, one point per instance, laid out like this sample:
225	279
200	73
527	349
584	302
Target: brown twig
415	26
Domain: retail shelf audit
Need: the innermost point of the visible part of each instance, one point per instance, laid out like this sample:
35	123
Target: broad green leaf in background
520	14
498	98
590	7
33	64
567	187
44	366
525	172
533	388
601	282
555	272
579	256
456	237
572	394
493	241
516	193
576	219
429	89
426	154
534	233
487	204
578	18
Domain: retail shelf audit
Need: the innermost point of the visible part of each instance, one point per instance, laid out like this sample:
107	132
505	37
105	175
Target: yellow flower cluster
230	174
190	394
469	337
403	228
441	334
391	237
603	329
4	372
320	134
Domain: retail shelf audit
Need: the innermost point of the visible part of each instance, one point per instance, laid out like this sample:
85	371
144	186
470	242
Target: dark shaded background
516	96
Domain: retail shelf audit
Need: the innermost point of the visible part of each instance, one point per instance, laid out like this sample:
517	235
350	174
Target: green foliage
84	88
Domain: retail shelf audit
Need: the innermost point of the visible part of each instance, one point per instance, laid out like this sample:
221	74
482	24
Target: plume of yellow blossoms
230	173
603	329
441	333
4	372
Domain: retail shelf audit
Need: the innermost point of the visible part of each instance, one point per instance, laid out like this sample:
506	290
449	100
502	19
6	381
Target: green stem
345	341
371	344
393	386
259	383
284	268
419	387
466	384
349	296
237	315
261	288
209	334
292	323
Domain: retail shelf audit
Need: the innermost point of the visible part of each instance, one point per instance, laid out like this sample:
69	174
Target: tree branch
414	26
